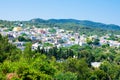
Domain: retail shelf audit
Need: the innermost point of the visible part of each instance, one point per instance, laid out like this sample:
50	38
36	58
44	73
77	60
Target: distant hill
84	23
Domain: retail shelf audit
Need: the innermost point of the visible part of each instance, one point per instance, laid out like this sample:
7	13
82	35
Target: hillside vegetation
73	63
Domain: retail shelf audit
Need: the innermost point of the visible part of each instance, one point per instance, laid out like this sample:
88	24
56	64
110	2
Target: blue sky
105	11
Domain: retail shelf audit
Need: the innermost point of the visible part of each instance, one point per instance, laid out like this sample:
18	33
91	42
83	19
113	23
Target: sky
105	11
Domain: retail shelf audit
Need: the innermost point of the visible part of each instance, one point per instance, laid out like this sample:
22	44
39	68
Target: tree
86	54
22	38
96	42
77	66
52	30
66	76
6	49
89	41
117	58
99	75
28	51
111	69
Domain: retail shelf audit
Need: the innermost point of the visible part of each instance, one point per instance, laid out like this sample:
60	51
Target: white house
96	64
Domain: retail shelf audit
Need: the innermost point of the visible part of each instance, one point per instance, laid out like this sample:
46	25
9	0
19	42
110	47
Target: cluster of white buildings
60	38
39	36
112	43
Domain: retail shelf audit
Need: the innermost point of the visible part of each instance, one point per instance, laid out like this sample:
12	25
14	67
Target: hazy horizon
102	11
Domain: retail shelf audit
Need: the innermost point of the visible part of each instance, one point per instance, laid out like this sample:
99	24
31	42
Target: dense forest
80	26
65	63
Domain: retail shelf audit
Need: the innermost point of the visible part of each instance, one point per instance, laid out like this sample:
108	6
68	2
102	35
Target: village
50	37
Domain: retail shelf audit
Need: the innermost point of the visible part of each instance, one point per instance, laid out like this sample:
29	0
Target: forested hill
84	23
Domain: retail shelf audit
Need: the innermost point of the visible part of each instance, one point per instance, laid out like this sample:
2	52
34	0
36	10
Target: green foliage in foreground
35	65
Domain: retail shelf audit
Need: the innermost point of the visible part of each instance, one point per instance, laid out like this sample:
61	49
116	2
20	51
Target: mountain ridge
86	23
83	23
